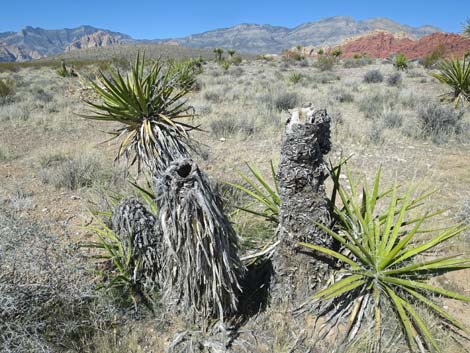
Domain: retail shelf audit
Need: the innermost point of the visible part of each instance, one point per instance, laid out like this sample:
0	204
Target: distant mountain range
32	43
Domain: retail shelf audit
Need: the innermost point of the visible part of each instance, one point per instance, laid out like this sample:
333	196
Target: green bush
337	52
400	62
430	60
325	62
7	89
357	62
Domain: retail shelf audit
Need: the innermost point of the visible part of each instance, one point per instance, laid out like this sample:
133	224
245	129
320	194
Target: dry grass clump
73	173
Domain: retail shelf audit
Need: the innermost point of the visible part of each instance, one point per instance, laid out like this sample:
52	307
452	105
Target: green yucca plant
118	268
258	188
466	28
295	77
400	62
456	74
150	107
385	261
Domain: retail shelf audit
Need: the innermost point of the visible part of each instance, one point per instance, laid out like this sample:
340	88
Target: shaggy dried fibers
135	226
201	270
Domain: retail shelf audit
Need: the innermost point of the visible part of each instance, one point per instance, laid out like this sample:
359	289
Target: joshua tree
231	52
218	53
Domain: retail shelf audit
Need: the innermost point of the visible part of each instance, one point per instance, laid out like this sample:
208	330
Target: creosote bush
373	76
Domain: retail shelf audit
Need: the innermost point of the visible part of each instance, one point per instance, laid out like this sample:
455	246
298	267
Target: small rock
222	139
44	210
75	197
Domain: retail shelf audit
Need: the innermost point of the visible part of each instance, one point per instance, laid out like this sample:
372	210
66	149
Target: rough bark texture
304	202
135	226
201	270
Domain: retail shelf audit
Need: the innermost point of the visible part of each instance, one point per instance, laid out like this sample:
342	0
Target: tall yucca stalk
386	261
456	74
150	106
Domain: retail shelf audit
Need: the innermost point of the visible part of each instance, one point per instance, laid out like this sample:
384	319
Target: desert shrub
341	95
374	103
373	76
430	60
72	173
357	62
456	75
295	77
438	120
337	52
225	65
47	302
463	215
42	96
325	62
230	125
290	55
394	79
236	60
7	90
391	119
375	133
15	112
236	71
212	96
400	62
325	77
286	101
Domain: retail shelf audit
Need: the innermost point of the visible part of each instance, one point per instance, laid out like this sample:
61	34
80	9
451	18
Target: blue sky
164	19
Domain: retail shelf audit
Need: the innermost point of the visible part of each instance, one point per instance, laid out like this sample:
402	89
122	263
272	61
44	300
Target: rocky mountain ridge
33	43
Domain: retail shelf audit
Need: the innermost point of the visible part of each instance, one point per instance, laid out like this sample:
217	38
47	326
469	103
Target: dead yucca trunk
304	202
134	225
200	269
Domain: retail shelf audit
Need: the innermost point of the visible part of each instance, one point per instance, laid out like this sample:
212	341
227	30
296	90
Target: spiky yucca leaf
149	106
261	192
384	263
456	74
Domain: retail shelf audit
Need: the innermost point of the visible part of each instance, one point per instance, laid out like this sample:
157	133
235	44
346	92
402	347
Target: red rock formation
383	44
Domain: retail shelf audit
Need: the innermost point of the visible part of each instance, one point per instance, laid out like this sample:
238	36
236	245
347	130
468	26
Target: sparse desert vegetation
57	175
